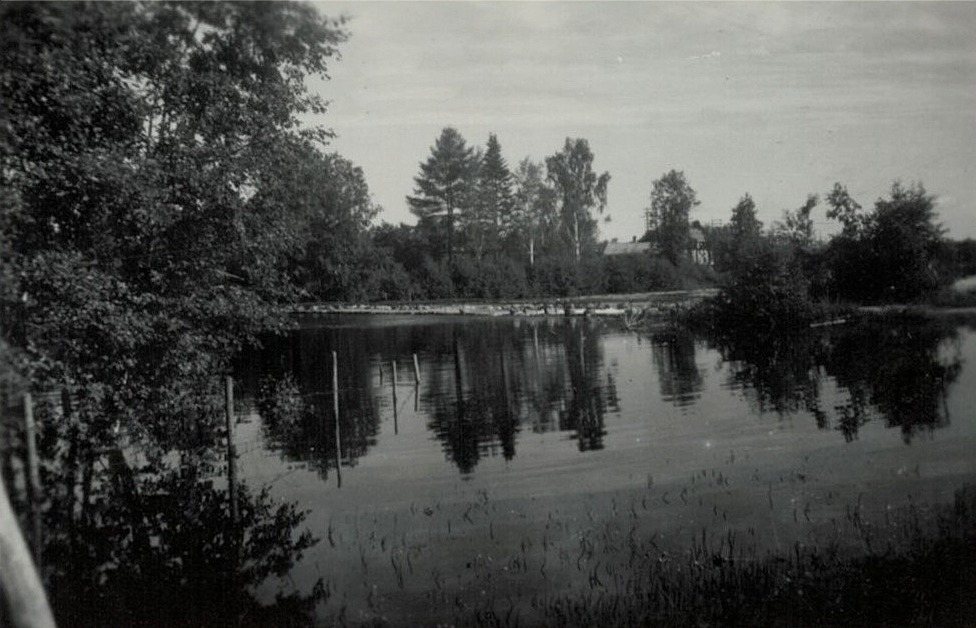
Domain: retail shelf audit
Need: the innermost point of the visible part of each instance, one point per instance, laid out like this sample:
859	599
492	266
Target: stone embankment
622	305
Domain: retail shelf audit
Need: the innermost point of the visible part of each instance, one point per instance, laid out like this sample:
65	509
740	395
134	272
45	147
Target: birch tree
579	190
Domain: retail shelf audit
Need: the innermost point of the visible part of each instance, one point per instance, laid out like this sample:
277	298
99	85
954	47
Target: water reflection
291	384
488	382
897	368
140	533
475	408
782	372
586	407
545	375
675	359
485	381
902	368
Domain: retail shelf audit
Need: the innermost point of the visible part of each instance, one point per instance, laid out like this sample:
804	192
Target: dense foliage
784	279
889	254
672	199
153	216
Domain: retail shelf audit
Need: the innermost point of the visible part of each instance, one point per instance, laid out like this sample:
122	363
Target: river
531	448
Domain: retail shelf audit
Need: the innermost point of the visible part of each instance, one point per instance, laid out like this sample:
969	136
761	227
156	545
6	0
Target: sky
775	99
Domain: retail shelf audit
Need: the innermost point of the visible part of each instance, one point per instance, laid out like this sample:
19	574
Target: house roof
626	248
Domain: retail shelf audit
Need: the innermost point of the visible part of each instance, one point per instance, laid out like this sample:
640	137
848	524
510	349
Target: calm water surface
522	434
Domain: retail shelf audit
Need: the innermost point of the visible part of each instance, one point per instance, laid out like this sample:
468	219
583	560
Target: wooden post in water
393	378
34	477
335	412
416	384
231	449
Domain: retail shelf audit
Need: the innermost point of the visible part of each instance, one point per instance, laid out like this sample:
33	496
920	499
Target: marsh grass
914	569
908	566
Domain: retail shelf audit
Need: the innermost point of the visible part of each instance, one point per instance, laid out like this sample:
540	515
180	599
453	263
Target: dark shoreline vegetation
163	208
912	568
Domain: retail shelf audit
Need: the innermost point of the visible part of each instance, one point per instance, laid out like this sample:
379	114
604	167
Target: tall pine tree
490	219
444	185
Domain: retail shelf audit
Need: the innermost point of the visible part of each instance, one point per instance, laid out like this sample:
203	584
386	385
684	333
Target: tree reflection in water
475	403
673	352
902	368
897	368
141	534
586	407
484	382
543	374
487	380
291	380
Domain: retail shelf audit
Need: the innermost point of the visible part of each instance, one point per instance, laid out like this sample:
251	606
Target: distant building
698	250
626	248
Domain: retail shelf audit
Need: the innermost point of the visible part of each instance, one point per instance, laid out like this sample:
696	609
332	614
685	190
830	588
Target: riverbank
647	303
636	306
919	310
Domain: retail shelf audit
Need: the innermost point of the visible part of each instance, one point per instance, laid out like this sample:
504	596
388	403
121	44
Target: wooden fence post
231	449
34	477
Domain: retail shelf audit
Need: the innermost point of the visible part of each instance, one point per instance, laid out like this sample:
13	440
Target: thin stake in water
396	424
335	411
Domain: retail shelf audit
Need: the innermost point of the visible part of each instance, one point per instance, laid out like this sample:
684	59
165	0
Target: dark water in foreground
524	436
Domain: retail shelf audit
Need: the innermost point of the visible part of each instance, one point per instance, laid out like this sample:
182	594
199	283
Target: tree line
785	276
484	230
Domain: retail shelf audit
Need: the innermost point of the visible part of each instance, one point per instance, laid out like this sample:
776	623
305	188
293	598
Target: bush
433	279
561	276
766	290
641	273
500	277
894	254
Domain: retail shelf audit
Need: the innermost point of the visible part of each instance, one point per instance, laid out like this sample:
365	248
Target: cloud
768	97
